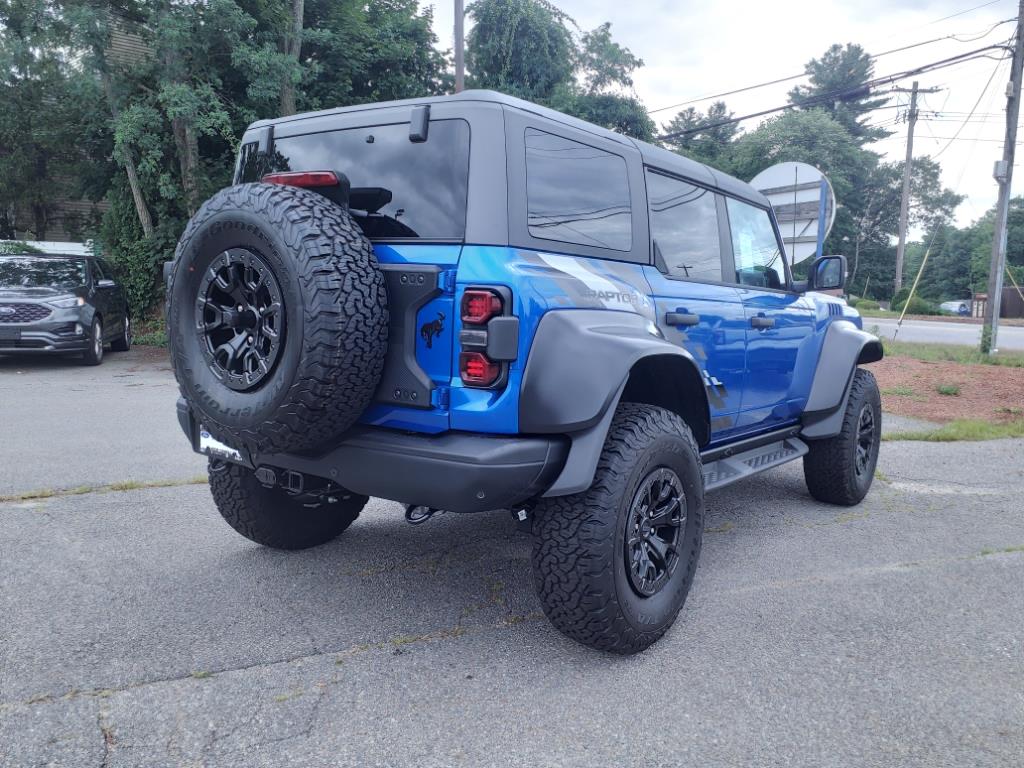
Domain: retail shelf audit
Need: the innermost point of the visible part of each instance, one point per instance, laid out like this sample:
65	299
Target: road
1011	338
139	630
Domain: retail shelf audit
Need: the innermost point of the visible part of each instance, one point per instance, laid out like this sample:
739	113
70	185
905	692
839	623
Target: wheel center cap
244	318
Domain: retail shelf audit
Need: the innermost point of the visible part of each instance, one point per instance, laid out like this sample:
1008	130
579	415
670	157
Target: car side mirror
105	283
827	273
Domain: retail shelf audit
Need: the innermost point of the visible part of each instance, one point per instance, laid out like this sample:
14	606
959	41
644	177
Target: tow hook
417	514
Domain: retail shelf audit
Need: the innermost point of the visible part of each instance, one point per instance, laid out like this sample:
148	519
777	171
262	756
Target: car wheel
839	470
94	354
275	518
613	565
123	342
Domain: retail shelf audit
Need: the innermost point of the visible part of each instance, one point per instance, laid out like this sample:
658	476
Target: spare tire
277	318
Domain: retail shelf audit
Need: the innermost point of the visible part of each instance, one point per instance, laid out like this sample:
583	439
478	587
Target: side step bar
726	470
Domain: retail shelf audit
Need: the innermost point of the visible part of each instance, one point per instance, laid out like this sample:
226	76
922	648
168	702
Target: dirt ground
987	392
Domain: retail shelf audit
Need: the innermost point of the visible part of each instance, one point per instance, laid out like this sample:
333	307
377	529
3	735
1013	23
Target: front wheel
839	469
94	354
613	565
275	518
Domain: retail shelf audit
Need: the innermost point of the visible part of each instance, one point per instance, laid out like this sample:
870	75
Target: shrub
867	304
916	306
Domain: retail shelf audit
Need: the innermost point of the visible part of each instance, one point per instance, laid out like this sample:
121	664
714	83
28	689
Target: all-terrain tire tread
345	319
263	517
568	561
829	469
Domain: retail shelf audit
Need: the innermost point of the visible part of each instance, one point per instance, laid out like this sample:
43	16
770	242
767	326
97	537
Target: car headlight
69	301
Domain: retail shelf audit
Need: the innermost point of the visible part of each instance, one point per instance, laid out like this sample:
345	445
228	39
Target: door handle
681	318
761	322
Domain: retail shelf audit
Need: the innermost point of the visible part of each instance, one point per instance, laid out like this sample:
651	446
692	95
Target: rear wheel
94	354
123	342
840	469
613	565
275	518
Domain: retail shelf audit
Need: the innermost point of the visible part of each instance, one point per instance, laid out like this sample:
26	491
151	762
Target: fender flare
844	348
579	364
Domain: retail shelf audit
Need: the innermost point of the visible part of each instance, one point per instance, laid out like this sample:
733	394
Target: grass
951	390
962	429
953	353
124	485
150	332
901	390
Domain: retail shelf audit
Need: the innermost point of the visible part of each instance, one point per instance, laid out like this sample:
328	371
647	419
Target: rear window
407	189
576	193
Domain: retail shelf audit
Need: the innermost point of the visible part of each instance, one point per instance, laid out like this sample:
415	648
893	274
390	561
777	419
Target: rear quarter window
576	193
424	184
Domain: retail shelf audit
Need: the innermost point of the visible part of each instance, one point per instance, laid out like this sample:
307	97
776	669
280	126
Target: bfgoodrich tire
277	318
839	470
612	565
274	518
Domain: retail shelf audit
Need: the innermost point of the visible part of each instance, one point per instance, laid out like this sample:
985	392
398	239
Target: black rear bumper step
455	471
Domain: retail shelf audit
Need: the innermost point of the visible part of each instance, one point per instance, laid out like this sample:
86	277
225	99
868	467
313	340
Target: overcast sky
693	49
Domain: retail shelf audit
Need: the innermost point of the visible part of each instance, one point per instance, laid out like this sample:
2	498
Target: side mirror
104	283
827	273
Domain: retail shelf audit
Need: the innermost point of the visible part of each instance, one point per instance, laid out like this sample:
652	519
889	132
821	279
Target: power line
838	94
804	74
971	113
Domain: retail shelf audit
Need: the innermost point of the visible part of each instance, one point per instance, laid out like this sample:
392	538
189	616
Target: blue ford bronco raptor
471	303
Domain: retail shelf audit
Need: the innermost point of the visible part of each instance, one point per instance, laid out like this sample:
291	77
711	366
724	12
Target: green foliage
834	80
17	246
949	390
531	49
963	430
916	306
710	145
863	304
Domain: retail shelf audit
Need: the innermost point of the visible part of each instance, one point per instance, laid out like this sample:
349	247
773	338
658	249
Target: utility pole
1004	176
908	165
460	47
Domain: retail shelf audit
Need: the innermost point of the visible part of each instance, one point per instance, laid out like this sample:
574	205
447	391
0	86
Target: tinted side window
400	189
759	262
576	193
684	222
99	272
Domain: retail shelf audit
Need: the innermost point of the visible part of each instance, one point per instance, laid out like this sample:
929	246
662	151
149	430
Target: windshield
36	272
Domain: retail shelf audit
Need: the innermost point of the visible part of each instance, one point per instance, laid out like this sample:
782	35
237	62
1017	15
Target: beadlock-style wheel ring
240	318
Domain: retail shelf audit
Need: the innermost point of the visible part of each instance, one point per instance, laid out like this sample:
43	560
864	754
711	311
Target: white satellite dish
804	203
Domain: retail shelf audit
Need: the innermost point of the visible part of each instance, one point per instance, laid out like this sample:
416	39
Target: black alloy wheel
240	318
865	440
655	523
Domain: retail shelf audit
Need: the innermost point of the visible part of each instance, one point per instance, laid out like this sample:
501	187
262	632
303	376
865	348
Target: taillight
303	179
477	369
479	306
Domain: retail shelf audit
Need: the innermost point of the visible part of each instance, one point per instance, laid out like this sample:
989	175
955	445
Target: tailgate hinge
447	281
440	398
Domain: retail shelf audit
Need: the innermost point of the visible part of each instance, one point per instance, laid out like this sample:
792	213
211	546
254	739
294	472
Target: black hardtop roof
651	155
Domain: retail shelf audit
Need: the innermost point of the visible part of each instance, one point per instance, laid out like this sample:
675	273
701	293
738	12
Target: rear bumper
456	471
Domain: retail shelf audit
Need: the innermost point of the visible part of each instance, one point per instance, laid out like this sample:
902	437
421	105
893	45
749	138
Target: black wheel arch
621	357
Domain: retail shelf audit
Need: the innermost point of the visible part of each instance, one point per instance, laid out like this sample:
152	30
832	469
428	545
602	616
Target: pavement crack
107	734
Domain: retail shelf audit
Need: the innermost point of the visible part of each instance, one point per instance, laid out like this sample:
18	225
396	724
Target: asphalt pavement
137	629
1010	338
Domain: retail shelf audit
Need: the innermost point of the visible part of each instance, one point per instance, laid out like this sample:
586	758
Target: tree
521	47
531	49
708	145
837	86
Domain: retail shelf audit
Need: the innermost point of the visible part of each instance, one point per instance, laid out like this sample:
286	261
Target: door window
576	193
684	223
759	261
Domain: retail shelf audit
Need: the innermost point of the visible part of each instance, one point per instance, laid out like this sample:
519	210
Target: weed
950	390
902	391
962	429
